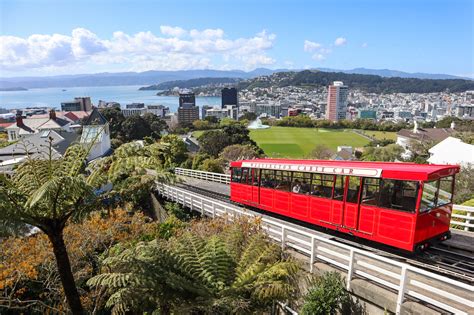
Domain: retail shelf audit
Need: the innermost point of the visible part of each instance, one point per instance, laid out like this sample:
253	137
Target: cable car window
445	192
267	179
236	174
353	189
398	195
321	185
429	196
282	180
339	187
255	176
246	176
301	183
370	191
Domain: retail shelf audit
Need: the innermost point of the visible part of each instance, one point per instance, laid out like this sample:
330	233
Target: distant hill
395	73
191	83
15	88
368	83
156	77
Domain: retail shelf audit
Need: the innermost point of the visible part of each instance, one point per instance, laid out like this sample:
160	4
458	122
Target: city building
268	109
229	111
367	114
78	104
336	101
187	98
465	111
188	112
204	109
229	97
141	109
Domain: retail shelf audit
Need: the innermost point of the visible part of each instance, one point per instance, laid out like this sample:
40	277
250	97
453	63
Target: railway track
455	263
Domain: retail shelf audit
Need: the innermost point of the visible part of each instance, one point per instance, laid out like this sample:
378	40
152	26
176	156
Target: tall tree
46	193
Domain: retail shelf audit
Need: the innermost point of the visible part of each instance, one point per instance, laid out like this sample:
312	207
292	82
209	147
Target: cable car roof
395	170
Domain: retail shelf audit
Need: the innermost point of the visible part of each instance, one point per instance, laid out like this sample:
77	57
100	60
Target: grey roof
38	143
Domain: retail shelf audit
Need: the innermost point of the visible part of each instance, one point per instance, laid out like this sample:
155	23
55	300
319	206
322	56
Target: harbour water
52	97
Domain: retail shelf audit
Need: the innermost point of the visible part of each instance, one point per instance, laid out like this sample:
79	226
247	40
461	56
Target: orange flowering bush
28	273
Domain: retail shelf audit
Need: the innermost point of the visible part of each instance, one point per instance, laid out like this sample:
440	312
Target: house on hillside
37	147
406	136
452	151
95	132
24	127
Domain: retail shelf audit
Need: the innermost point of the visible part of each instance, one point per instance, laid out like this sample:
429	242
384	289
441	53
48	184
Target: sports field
298	142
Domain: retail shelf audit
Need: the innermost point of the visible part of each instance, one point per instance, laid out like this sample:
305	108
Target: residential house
95	132
452	151
24	127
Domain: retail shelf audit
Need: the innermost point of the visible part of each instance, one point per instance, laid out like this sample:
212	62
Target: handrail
209	176
408	281
460	221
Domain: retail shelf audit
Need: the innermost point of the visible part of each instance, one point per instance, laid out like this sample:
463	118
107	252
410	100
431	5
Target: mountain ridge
159	76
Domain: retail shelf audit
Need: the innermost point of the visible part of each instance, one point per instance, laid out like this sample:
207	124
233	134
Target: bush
326	296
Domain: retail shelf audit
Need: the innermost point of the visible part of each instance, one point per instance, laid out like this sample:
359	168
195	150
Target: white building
95	132
452	151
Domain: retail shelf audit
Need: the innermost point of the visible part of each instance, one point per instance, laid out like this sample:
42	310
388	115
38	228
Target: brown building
337	101
188	112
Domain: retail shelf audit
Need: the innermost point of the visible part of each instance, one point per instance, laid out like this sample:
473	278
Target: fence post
468	221
202	208
311	263
213	210
401	290
283	237
350	272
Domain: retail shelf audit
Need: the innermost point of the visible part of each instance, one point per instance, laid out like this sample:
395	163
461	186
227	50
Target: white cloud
364	45
340	41
319	57
310	46
174	31
175	49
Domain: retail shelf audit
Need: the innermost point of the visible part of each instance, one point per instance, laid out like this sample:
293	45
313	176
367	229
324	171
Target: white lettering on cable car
354	171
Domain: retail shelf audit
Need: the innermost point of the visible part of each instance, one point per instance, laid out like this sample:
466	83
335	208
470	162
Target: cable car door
351	202
255	185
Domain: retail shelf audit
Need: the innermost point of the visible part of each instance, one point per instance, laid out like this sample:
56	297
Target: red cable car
404	205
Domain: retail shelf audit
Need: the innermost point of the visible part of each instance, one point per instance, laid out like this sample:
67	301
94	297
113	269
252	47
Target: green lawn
298	142
380	135
197	133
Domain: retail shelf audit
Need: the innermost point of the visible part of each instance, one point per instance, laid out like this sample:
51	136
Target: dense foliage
207	268
364	124
367	83
212	142
328	296
29	280
135	127
47	193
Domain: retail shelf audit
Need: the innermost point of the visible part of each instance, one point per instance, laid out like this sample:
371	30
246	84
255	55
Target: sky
41	38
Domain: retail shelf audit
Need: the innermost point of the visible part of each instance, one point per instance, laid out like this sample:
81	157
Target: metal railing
461	221
209	176
408	281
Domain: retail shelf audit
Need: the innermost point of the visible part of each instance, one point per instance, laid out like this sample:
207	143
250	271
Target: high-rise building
187	98
337	101
188	112
229	97
78	104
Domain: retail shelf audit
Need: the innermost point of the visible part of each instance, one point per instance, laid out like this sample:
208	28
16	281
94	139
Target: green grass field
380	135
298	142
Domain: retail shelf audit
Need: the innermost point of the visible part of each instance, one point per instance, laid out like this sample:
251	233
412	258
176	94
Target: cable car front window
445	192
429	196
